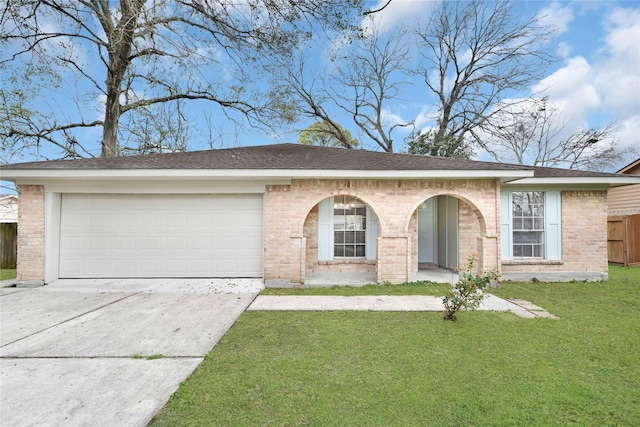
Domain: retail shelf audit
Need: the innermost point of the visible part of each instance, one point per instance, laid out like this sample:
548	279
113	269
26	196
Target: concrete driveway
77	353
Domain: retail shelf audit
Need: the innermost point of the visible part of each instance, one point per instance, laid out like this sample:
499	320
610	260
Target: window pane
537	251
517	251
517	223
359	236
360	250
354	222
338	250
338	237
348	251
349	237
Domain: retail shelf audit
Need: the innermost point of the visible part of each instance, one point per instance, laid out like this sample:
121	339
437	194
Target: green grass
413	288
6	274
408	369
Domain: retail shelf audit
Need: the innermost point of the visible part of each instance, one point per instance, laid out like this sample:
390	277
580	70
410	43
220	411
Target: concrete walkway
388	303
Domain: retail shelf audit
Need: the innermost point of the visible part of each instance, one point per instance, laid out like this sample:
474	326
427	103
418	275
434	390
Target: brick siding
291	223
291	227
30	264
584	237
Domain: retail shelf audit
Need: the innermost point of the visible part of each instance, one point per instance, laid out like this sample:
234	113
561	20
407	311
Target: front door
438	232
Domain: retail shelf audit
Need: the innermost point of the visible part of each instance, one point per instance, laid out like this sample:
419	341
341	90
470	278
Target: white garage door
148	235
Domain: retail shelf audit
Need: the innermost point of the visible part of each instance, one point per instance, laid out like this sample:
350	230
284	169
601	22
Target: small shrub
468	291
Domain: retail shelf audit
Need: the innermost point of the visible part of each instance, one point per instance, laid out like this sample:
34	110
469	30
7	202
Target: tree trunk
111	118
120	47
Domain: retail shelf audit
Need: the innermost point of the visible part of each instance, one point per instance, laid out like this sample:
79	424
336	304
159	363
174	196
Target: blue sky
596	80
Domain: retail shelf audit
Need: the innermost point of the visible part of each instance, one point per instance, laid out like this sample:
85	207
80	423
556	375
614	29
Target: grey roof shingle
291	157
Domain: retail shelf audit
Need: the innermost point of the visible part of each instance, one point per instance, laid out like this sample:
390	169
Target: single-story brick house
281	212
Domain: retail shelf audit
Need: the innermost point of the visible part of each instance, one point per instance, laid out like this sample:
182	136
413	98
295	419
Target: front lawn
6	274
406	369
413	288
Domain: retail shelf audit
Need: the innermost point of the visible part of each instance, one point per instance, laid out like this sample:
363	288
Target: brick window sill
532	262
348	262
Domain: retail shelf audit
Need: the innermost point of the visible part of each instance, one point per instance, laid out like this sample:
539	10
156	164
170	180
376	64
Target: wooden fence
623	240
8	244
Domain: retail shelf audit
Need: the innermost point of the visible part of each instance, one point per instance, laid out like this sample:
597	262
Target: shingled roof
291	157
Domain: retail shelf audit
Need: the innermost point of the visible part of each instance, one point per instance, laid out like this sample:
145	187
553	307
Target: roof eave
613	181
18	174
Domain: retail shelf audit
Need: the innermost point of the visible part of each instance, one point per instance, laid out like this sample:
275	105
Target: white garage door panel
119	236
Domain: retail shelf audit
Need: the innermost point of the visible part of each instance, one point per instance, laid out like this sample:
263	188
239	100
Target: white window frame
326	229
530	222
349	227
552	225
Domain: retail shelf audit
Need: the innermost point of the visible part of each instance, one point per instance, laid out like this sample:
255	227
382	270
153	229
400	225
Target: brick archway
313	262
446	230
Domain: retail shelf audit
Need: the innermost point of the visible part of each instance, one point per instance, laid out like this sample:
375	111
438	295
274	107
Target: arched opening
447	231
340	234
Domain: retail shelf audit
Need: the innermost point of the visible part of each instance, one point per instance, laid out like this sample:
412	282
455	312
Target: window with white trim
530	225
347	229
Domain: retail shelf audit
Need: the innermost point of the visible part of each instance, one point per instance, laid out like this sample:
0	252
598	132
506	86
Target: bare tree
473	53
156	128
368	81
363	78
132	55
311	99
536	134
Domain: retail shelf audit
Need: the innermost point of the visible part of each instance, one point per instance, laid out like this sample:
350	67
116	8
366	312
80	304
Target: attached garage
160	235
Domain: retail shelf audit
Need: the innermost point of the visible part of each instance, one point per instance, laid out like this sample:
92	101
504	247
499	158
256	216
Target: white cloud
425	118
572	90
396	12
389	118
627	135
556	16
564	50
606	88
617	74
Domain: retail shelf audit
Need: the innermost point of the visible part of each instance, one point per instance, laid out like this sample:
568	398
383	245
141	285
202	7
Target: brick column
393	259
30	263
283	259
